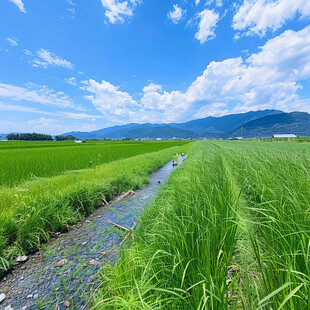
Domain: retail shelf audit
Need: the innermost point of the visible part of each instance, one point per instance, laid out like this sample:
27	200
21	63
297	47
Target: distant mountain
250	124
136	131
101	133
153	132
296	122
224	123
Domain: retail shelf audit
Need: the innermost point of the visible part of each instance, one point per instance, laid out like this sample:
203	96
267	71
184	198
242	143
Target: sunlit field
48	195
230	230
21	161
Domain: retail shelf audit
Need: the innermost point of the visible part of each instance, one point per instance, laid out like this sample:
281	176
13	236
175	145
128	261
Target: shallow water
85	248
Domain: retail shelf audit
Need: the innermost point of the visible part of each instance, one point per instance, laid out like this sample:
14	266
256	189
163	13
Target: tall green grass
230	230
184	245
276	182
30	212
23	161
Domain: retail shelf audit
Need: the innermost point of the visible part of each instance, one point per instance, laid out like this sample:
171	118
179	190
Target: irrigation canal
64	275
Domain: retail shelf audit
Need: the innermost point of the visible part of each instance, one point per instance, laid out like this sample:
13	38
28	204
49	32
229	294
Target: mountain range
261	123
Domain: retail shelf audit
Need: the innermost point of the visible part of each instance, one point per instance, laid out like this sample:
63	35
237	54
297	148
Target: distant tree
126	139
29	137
60	138
65	138
71	138
13	136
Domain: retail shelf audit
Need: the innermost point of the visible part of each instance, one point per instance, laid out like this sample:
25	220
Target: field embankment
33	210
230	230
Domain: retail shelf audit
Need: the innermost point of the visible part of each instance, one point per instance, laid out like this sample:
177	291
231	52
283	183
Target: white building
284	136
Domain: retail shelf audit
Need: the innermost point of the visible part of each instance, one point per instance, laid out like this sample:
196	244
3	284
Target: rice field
230	230
21	161
35	207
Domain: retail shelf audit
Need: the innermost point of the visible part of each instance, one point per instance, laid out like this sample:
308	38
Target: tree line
37	137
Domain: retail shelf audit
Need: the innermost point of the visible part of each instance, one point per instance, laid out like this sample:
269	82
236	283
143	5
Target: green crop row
23	161
184	244
230	230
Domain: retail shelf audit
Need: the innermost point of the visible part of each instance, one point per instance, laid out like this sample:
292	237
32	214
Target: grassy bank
230	230
184	245
21	161
31	211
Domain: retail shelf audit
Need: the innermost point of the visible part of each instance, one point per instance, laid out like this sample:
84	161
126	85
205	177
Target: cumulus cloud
108	98
12	41
46	58
207	25
20	5
152	87
256	17
176	14
118	11
267	79
36	93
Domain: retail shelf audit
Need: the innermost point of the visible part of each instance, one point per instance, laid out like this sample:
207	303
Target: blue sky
84	65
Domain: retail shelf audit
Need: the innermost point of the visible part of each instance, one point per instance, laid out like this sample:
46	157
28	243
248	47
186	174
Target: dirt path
67	269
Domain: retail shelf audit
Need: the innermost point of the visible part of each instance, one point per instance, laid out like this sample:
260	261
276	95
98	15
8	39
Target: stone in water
21	259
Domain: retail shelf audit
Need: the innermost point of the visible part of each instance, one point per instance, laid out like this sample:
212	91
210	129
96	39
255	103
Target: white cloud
47	58
45	125
20	5
21	108
71	12
207	25
176	14
36	93
43	122
261	15
267	79
114	104
80	115
217	3
12	41
71	81
27	52
152	87
118	10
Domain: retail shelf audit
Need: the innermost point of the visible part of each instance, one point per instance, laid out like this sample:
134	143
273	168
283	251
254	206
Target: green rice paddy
48	195
230	230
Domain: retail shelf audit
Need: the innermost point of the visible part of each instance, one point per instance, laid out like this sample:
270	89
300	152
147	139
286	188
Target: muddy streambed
67	270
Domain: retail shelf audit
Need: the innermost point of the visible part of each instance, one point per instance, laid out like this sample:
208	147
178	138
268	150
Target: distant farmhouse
284	136
236	138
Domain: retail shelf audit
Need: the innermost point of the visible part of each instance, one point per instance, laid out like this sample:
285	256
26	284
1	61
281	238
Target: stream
63	276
